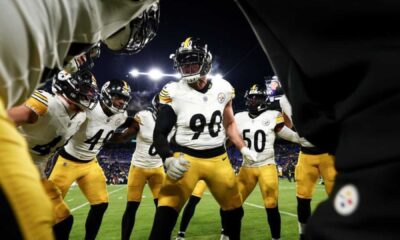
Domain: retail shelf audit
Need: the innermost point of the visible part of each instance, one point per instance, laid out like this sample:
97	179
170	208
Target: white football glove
249	156
176	167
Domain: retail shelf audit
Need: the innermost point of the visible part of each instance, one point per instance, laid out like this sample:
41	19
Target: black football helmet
119	88
79	87
133	37
192	51
256	99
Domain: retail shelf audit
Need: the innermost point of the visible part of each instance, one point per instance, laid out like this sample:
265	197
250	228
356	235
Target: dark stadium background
236	55
236	52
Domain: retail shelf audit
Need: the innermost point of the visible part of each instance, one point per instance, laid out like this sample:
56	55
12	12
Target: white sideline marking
262	207
86	203
258	206
70	200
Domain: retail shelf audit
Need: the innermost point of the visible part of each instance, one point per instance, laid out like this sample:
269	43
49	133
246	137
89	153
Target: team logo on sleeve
221	97
265	122
346	200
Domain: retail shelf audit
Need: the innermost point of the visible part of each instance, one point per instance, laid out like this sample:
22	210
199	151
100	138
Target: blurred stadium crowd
115	159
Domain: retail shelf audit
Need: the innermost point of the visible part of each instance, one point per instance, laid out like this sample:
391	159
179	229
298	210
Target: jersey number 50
258	134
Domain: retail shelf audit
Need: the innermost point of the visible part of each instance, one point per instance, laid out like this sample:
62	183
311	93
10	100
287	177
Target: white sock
302	228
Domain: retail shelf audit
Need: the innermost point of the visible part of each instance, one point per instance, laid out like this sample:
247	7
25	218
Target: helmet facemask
141	30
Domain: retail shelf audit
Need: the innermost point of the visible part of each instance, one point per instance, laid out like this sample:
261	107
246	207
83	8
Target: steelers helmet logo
221	97
346	200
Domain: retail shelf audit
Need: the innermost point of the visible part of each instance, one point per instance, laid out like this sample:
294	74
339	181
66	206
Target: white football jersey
53	127
93	133
259	134
37	34
286	107
199	115
145	154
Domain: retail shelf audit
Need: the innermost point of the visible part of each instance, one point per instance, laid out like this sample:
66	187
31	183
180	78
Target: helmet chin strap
261	109
257	112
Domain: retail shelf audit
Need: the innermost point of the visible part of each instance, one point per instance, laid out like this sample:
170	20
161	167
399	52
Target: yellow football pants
218	174
308	169
20	182
137	180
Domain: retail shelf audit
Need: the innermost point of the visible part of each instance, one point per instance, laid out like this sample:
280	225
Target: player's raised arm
30	111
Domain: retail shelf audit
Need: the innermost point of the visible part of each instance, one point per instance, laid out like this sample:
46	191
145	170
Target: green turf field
205	223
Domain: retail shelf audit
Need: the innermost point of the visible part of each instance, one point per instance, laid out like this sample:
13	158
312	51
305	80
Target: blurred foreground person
329	56
39	38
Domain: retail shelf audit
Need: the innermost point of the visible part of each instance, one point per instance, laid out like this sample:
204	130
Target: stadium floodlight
218	76
155	74
134	73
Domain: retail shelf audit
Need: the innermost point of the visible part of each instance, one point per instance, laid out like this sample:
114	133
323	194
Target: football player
201	110
311	164
259	127
50	33
146	165
77	161
47	121
190	208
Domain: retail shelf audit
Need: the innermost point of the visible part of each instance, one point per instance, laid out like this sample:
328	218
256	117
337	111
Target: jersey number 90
198	123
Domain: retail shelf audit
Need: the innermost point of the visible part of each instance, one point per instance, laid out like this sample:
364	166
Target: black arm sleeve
166	119
128	122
